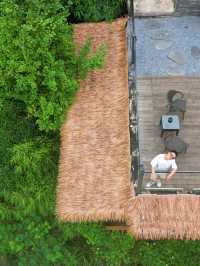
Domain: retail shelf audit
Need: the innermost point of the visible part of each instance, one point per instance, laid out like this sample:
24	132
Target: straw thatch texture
164	217
93	181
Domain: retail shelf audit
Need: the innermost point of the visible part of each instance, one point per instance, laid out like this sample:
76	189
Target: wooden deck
152	103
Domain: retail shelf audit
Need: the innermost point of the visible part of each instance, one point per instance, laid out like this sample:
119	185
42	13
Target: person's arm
154	164
153	174
172	173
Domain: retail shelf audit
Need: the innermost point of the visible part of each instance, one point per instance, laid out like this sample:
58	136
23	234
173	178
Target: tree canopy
39	64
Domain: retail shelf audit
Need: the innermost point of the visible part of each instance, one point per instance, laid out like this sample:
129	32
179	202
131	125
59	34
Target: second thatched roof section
164	217
93	181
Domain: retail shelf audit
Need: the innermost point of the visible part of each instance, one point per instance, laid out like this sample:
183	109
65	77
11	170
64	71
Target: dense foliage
95	10
39	65
167	253
39	76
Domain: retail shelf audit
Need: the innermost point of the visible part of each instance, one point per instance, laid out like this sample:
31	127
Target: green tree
39	65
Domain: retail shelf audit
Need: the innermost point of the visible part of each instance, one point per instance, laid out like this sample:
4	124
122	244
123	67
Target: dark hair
175	152
167	151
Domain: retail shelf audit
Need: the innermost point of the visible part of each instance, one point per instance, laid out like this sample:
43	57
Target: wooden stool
175	144
177	103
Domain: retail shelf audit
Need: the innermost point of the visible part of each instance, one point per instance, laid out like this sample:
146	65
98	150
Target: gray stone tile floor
168	46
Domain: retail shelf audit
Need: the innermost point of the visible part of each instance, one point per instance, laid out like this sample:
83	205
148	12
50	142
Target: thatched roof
164	217
94	168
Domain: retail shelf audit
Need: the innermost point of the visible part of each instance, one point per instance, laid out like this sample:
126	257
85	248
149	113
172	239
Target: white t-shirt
161	164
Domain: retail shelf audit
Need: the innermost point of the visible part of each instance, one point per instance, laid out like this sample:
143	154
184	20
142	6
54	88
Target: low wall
153	7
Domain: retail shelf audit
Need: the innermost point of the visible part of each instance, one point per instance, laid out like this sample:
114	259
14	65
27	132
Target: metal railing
133	112
182	182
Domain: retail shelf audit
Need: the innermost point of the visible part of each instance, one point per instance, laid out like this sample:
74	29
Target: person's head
171	155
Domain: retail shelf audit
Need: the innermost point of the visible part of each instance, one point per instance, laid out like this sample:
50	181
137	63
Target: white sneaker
158	184
151	183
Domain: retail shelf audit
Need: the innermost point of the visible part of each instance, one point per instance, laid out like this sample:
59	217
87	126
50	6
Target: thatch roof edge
118	216
156	217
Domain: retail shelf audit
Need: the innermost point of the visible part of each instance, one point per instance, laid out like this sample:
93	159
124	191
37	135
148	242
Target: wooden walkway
152	103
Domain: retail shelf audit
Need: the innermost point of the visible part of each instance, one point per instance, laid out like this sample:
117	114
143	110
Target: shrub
167	253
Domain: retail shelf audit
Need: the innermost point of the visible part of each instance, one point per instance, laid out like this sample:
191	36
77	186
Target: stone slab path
168	46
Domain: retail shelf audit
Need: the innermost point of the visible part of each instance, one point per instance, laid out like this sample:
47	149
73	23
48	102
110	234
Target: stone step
153	8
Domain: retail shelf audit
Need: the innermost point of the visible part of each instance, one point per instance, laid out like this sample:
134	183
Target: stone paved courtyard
168	46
